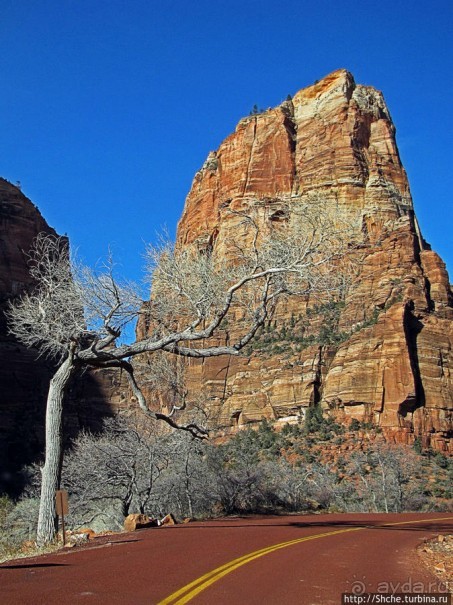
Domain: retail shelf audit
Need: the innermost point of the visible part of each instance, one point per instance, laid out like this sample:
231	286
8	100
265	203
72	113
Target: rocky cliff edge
391	366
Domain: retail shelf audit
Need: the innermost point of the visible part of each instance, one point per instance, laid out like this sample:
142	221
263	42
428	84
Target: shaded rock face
20	223
24	377
391	365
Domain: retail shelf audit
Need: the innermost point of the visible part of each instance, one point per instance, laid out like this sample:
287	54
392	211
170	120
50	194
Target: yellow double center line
188	592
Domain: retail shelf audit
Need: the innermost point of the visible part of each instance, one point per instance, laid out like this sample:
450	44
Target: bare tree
77	315
387	478
114	473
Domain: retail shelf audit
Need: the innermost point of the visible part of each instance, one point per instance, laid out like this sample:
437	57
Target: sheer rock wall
24	376
335	139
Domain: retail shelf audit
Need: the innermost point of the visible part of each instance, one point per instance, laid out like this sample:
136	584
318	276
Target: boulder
138	521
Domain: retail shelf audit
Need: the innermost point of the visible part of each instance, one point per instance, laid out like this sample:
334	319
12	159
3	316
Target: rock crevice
337	139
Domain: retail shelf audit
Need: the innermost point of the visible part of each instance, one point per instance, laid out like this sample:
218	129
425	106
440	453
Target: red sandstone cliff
337	139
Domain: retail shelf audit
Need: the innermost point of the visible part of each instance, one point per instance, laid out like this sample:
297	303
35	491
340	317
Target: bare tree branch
78	315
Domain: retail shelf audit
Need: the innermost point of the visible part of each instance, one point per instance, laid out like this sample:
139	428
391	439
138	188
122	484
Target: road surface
304	560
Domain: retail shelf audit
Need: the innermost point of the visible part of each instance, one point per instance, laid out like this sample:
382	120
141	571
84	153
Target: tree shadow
122	541
29	565
23	395
414	525
381	524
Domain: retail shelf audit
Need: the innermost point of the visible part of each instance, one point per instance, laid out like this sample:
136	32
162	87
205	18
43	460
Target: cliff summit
387	357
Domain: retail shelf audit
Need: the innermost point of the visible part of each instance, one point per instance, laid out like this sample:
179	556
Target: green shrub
313	419
441	460
418	445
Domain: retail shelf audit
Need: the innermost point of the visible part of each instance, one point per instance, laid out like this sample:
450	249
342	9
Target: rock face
24	378
392	364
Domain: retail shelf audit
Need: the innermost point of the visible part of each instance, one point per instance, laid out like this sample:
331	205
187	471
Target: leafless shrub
386	478
113	474
20	524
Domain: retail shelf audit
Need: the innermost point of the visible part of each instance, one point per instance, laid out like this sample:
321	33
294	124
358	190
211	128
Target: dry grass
25	550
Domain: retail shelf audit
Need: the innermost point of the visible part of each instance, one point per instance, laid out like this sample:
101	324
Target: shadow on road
382	524
29	565
122	541
408	525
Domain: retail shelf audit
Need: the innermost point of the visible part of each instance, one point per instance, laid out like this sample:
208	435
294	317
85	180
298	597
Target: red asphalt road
147	566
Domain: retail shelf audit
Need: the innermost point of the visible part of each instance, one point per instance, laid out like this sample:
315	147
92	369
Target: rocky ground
437	556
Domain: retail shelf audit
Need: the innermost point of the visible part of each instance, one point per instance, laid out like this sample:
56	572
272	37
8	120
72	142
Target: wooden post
62	508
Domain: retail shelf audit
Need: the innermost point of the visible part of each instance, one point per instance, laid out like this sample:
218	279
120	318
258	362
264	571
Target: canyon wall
388	360
383	356
24	376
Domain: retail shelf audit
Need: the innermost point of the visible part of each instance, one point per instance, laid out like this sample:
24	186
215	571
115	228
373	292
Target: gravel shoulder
437	556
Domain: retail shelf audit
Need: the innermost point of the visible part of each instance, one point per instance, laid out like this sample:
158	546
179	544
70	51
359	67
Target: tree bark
52	466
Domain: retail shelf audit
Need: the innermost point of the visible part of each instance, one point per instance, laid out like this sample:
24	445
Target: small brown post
62	508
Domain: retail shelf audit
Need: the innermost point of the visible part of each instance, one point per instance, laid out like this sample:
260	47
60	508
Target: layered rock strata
390	362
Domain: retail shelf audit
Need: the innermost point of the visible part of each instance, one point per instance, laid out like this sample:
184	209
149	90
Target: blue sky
108	108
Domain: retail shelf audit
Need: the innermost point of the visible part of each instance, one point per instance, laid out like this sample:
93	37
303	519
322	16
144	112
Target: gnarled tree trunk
52	465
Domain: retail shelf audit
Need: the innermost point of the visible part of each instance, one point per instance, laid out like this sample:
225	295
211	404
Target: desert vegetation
77	315
315	466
